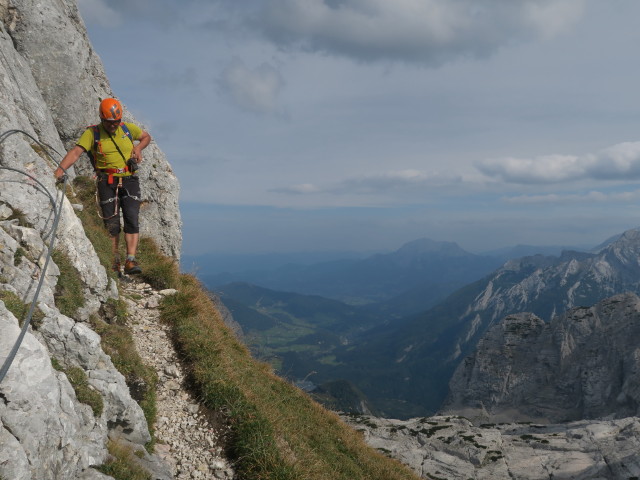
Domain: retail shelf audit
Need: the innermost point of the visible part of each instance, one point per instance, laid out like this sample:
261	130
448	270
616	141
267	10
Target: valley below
528	372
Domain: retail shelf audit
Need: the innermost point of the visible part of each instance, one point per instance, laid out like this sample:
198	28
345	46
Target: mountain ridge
432	269
426	348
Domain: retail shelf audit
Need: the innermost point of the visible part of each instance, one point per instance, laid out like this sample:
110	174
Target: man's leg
131	239
130	211
131	265
111	217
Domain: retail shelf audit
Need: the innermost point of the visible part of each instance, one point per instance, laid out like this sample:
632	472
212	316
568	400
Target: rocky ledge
452	448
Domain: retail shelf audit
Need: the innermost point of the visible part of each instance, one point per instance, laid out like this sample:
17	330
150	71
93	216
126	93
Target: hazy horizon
211	263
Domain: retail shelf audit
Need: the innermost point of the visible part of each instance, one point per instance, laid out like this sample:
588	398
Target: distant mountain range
401	360
411	279
404	368
423	268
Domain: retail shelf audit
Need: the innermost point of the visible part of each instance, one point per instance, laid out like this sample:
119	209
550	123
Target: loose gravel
187	440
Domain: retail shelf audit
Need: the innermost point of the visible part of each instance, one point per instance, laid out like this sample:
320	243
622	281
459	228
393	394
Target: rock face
549	286
583	364
50	83
452	448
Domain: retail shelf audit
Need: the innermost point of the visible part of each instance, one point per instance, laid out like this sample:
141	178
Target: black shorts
114	199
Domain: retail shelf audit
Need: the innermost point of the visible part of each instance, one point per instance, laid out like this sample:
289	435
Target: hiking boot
131	267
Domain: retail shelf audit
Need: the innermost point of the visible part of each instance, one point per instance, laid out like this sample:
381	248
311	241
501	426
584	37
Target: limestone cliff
50	85
584	364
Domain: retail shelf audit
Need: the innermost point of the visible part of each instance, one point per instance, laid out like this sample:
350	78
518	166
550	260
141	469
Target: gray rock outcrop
583	364
46	432
50	85
452	448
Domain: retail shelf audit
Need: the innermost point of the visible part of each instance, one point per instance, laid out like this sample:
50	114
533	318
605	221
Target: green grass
14	304
17	257
157	270
118	308
278	431
68	294
123	465
84	392
80	383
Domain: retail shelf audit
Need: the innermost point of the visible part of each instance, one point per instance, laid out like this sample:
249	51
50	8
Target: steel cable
57	208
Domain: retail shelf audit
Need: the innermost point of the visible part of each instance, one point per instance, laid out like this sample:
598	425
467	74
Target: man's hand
144	141
69	159
136	154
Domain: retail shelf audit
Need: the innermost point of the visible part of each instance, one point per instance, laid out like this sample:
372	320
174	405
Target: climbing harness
115	199
57	209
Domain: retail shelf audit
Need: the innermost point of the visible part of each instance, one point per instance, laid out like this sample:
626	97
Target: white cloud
426	31
619	162
253	90
545	169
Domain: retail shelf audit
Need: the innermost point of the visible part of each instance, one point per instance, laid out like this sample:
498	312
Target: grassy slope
278	432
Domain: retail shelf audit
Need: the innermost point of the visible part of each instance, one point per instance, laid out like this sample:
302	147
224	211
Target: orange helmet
110	109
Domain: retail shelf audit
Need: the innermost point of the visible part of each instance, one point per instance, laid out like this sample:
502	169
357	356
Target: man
115	157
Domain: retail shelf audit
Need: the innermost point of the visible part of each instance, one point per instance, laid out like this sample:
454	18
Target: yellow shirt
107	155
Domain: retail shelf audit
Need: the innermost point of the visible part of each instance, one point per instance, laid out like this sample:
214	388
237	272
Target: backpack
96	141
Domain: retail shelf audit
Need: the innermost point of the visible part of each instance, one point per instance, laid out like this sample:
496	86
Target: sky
360	125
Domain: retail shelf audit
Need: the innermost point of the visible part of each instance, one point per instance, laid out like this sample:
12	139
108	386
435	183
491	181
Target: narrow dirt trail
187	441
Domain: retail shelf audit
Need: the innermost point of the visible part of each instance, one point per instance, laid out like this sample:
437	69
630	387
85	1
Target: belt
111	171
